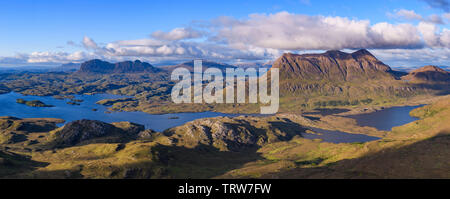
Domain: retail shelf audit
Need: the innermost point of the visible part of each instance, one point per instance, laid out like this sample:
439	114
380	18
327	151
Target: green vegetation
241	147
110	102
33	103
395	156
334	103
150	92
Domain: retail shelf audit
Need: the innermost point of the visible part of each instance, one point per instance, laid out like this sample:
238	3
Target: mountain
332	65
411	68
428	74
99	66
66	67
336	78
206	64
255	65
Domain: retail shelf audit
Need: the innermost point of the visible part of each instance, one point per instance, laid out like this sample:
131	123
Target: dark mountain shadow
289	127
169	162
203	161
425	159
12	164
440	88
398	74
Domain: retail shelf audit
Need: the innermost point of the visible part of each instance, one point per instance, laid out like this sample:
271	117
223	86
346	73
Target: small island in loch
33	103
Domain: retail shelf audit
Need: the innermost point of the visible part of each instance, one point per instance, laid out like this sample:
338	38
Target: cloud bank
267	36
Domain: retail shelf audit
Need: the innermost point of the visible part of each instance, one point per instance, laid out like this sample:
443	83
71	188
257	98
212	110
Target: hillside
428	74
242	147
415	150
338	79
333	66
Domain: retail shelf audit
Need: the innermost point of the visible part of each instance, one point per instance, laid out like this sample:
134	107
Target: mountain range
333	66
205	64
428	74
99	66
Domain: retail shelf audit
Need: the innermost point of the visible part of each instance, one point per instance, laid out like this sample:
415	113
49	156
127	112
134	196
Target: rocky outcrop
147	134
340	76
428	74
90	131
129	127
233	134
103	67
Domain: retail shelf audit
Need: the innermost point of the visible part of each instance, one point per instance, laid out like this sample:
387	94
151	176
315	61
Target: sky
399	32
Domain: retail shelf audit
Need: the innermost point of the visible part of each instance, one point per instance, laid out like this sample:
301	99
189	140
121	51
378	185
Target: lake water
337	136
383	120
386	119
61	110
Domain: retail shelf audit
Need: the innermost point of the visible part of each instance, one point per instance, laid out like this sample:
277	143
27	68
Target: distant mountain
69	67
428	74
206	64
338	78
255	65
411	68
99	66
332	65
21	69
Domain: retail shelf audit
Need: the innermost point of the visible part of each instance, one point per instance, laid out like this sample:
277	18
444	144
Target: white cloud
408	14
286	31
141	42
432	36
445	37
414	57
177	34
413	16
184	50
385	35
88	43
436	19
263	37
429	32
57	57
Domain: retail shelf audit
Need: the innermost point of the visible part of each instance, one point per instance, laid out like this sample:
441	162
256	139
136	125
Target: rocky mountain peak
332	65
99	66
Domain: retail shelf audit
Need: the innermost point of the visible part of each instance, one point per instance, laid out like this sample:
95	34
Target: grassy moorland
242	147
150	92
415	150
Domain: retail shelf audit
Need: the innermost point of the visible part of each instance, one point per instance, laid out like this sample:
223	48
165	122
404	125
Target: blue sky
50	32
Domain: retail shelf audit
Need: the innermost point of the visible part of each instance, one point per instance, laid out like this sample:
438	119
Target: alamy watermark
210	86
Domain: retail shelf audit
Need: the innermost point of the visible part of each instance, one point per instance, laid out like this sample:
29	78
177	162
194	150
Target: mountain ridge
428	73
205	63
333	65
100	66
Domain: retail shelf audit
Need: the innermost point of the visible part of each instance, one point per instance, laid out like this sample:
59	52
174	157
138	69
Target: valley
342	115
225	147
